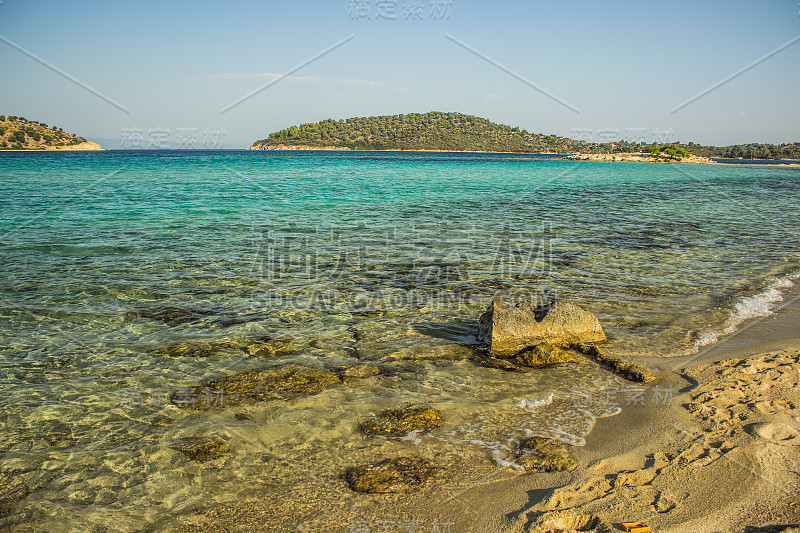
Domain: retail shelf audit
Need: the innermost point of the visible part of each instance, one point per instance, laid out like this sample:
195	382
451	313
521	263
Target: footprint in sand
664	503
574	496
777	433
551	522
771	407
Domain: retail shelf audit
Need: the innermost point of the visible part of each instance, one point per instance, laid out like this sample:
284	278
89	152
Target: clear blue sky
624	65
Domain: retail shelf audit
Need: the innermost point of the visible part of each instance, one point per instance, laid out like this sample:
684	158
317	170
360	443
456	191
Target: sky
209	74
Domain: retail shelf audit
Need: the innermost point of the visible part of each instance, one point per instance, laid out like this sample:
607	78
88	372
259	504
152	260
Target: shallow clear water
386	257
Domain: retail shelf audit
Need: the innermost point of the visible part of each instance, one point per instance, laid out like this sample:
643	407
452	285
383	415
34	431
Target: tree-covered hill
747	151
429	131
19	133
459	132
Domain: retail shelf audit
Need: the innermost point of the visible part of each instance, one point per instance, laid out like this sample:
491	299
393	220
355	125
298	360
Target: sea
339	259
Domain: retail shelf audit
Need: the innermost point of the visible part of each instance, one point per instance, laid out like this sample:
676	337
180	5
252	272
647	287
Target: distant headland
19	133
457	132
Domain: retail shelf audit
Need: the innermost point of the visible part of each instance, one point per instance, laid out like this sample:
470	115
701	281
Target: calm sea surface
341	258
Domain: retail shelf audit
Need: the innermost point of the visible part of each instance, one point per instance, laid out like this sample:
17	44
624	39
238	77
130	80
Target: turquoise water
385	257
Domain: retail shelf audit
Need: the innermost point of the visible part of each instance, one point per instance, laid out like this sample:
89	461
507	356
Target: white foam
533	404
759	305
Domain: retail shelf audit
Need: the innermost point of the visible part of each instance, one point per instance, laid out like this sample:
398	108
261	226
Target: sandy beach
714	446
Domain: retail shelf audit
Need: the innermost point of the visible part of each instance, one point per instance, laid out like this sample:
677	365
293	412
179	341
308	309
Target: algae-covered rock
392	475
355	372
509	329
626	369
544	455
283	383
401	422
544	355
13	488
269	346
61	440
197	349
201	448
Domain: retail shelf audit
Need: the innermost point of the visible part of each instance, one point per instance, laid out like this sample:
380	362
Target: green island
19	133
438	131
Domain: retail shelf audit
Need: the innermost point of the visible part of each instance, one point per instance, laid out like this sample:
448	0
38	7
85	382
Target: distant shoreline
636	157
82	147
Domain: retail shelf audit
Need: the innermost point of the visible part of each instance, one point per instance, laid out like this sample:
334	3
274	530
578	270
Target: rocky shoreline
516	338
641	157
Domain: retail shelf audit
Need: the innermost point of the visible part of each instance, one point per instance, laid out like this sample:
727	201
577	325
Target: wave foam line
759	305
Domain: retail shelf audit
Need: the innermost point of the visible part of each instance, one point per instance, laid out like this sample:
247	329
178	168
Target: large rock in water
509	329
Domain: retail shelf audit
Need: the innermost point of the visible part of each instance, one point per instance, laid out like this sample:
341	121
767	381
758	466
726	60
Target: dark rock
544	455
201	448
626	369
174	316
197	349
401	422
392	475
61	440
283	383
509	329
544	355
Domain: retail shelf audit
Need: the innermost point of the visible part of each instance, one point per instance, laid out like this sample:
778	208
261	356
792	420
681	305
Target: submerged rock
269	346
197	349
509	329
447	351
626	369
544	455
13	488
61	440
392	475
174	316
544	355
503	364
401	422
201	448
283	383
355	372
